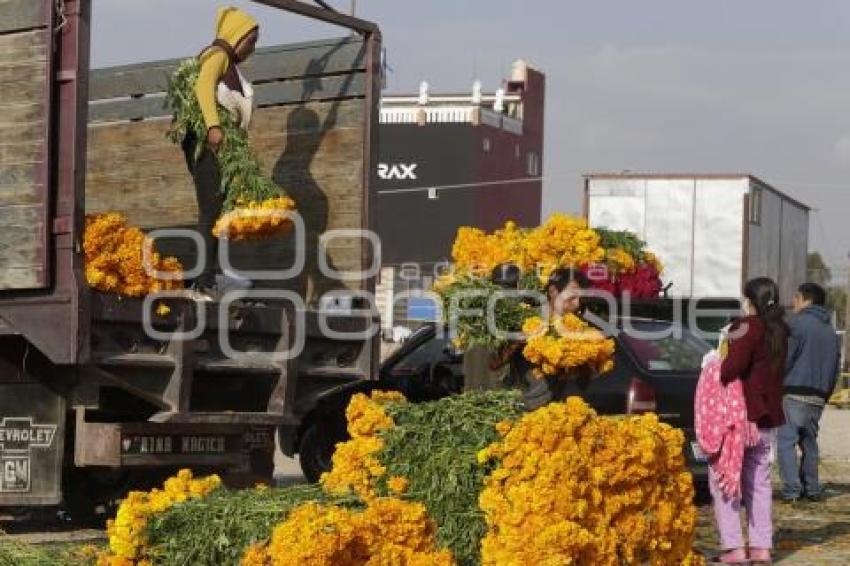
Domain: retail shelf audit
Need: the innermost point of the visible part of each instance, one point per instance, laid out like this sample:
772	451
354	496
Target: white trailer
712	232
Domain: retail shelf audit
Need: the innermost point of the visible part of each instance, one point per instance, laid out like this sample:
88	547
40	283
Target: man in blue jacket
812	370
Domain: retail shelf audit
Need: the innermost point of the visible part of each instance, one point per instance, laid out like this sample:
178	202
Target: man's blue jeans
800	428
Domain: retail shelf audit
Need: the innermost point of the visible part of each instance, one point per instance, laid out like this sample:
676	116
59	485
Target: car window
430	351
676	351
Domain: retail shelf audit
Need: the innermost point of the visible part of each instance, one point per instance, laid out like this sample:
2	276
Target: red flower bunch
643	283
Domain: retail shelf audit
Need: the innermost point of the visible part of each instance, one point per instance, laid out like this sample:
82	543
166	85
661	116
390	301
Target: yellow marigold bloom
366	415
476	252
534	325
398	485
620	260
255	555
567	343
387	532
504	427
653	260
563	241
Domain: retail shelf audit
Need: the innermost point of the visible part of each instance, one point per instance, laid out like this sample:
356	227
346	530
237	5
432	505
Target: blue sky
761	86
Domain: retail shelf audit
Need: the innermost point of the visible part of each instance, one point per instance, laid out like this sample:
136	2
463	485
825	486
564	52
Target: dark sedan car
657	366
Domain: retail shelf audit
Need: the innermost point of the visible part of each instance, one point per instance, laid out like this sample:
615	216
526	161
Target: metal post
353	8
847	321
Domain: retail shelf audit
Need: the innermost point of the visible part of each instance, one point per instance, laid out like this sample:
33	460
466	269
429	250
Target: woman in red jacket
757	348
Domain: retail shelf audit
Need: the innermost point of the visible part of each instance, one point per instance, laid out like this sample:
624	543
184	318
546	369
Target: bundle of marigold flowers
562	241
256	220
355	465
570	487
255	207
115	258
467	301
616	261
476	252
127	532
566	343
388	531
424	452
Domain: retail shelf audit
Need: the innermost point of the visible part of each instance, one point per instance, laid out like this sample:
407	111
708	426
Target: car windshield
664	346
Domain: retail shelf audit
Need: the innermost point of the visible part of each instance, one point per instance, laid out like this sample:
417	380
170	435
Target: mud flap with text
32	434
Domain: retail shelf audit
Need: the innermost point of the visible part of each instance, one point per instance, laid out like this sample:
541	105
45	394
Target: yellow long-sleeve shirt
214	64
231	25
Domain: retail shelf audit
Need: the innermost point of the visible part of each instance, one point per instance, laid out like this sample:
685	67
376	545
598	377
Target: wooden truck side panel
43	296
308	132
26	62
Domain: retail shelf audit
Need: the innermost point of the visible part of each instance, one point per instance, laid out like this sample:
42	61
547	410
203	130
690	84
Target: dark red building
454	160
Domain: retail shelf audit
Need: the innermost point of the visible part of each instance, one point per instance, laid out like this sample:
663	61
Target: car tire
315	452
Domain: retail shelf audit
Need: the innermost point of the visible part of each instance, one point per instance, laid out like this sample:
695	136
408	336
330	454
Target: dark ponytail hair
763	294
563	276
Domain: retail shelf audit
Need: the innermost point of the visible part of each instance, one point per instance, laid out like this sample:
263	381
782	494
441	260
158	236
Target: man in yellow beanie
219	82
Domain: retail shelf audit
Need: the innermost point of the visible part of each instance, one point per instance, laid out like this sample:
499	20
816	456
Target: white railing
398	115
433	115
450	114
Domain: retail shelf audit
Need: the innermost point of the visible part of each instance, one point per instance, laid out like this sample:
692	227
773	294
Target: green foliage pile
435	446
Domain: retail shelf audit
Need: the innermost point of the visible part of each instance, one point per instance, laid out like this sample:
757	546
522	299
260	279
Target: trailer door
26	62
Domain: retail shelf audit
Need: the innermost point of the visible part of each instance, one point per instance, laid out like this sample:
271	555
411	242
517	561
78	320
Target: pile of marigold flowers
115	258
559	485
566	343
468	480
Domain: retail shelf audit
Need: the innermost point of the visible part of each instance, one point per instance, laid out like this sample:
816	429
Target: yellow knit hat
232	24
